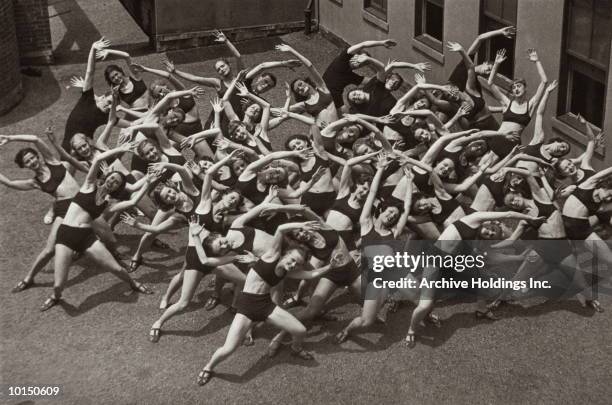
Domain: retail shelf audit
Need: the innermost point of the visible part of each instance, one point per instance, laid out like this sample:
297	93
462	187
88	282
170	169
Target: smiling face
349	134
240	134
422	135
515	201
358	97
150	153
222	68
104	102
490	231
292	260
445	168
238	166
81	146
297	144
302	235
159	90
169	195
31	161
605	194
423	206
389	216
273	175
113	182
421	104
567	168
263	84
173	118
361	191
116	77
220	246
476	148
301	88
558	148
230	200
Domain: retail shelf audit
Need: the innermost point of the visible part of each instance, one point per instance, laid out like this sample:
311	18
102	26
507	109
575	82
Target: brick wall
10	77
33	31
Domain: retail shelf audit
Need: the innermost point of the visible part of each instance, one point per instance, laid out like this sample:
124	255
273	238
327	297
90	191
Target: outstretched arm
22	185
538	132
291	63
104	53
387	43
221	38
91	63
314	73
535	100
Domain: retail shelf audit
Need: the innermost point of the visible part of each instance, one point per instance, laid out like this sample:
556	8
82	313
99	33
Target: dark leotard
267	271
342	206
58	173
324	100
319	162
521	119
448	207
331	240
87	201
465	231
249	189
139	89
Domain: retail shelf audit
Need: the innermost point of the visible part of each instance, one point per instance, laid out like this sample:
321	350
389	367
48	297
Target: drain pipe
308	17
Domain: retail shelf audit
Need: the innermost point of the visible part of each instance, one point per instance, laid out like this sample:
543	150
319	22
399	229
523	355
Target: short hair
557	168
117	193
21	154
399	78
294	137
233	126
157	198
520	80
143	144
384	204
299	97
110	69
207	243
416	197
271	76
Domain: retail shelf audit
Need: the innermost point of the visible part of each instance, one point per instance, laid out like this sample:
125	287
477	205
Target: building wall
539	25
10	77
33	31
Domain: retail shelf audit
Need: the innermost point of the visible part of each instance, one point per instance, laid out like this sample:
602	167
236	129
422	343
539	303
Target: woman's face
516	180
301	87
241	134
361	191
222	68
169	195
298	144
220	246
423	206
263	84
238	166
421	104
518	89
302	235
31	161
567	168
444	168
490	232
605	195
363	149
393	82
253	111
274	175
150	153
484	68
230	200
104	103
292	259
82	147
358	97
422	135
116	77
515	202
559	148
173	118
205	164
159	90
112	182
349	134
389	216
476	148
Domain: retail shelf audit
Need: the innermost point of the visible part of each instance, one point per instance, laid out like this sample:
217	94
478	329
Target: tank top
58	173
248	234
87	201
466	232
586	197
267	271
521	119
319	162
248	188
331	241
324	100
342	206
137	91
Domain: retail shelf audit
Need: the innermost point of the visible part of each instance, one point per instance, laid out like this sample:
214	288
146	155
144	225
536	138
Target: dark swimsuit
499	144
318	202
325	99
58	173
343	276
580	228
80	239
350	235
258	307
522	119
139	89
448	207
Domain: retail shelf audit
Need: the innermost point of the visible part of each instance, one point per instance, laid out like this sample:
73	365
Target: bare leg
282	319
46	254
191	280
172	288
234	338
425	305
368	312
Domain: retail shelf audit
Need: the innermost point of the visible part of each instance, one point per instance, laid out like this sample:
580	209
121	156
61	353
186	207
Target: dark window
429	23
496	14
586	57
376	7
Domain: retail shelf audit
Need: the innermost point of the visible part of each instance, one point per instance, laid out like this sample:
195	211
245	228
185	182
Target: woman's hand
101	54
422	66
242	89
419	78
304	154
168	65
508	32
500	56
156	169
533	55
312	226
221	143
279	112
101	44
247	258
220	37
77	82
128	219
552	86
283	48
125	135
194	226
196	92
464	110
217	104
454	46
188	143
193	167
389	43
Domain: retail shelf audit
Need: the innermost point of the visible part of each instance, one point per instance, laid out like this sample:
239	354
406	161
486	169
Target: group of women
262	206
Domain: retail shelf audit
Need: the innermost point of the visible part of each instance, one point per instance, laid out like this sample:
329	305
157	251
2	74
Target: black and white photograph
305	201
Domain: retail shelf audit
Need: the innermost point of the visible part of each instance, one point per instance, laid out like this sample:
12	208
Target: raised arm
314	73
535	100
508	32
166	74
254	167
387	43
538	132
469	64
291	63
91	63
497	93
477	218
183	172
22	185
403	219
92	174
104	53
221	38
365	219
165	102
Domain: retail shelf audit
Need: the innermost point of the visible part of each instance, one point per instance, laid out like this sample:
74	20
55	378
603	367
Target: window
496	14
376	7
429	23
586	58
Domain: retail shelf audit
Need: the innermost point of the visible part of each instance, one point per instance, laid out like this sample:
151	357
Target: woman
207	217
478	225
75	235
311	94
376	231
566	168
518	110
132	89
256	304
50	176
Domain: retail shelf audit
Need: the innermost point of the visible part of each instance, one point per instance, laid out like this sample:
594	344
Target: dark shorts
60	208
256	307
192	261
319	202
77	239
577	228
554	250
343	276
